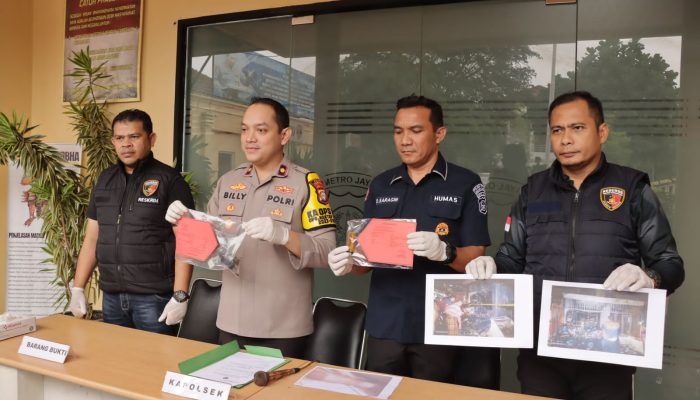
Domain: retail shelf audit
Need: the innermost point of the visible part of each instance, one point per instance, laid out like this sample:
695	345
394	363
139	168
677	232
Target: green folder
210	357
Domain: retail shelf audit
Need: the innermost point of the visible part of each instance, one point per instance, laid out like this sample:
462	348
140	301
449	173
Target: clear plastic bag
355	228
229	235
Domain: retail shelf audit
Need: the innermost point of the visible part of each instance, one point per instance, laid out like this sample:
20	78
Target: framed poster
584	321
463	311
112	31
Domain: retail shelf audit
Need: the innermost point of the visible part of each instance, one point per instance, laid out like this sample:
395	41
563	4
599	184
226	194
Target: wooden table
105	362
408	389
111	362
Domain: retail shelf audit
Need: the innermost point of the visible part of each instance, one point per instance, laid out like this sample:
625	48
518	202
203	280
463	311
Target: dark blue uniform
450	201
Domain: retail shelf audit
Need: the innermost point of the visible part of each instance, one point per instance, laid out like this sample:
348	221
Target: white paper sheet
462	311
238	368
347	381
584	321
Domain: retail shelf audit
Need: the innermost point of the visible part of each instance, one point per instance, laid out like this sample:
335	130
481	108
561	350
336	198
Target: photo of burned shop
598	320
482	308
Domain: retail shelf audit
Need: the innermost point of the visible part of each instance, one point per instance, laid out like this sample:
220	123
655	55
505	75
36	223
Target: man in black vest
584	220
144	286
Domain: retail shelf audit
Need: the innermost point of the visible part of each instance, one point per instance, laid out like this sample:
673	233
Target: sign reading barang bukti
112	30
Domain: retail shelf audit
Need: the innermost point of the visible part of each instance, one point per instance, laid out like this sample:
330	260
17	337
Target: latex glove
340	260
628	277
481	267
173	312
175	211
428	245
264	228
78	305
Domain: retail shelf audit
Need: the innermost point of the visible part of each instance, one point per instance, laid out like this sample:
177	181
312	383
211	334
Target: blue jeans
140	311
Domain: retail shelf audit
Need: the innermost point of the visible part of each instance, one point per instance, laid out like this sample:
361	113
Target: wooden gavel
262	378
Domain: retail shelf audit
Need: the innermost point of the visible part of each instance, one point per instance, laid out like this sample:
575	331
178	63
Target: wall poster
112	31
29	289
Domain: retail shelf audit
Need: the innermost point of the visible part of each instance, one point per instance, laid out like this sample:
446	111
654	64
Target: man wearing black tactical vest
584	220
127	235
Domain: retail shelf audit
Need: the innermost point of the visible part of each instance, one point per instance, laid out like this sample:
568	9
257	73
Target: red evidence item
384	241
195	239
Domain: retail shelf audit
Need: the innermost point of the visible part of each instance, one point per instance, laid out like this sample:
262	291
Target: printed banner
29	289
112	30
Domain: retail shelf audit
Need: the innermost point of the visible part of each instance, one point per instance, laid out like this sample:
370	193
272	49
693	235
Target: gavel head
261	378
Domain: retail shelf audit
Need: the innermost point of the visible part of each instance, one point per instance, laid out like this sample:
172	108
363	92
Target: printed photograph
482	308
598	320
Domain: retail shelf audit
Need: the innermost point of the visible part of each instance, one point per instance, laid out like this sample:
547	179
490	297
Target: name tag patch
386	200
148	200
446	199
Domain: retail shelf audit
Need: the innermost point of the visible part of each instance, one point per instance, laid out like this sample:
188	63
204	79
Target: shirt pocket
279	212
445	210
386	210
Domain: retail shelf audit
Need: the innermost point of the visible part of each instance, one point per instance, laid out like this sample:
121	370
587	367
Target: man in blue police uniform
144	286
449	205
584	220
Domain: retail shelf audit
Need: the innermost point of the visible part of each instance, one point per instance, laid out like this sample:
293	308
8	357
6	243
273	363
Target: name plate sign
44	349
194	388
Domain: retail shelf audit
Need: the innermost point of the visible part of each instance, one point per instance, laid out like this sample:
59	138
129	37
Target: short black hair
134	115
595	107
281	113
435	108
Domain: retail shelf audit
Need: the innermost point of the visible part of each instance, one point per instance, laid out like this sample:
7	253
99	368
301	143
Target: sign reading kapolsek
112	31
194	388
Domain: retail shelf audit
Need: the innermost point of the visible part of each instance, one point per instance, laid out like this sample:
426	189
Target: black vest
580	236
135	245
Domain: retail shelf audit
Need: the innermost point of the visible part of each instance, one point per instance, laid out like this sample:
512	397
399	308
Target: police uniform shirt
270	294
450	201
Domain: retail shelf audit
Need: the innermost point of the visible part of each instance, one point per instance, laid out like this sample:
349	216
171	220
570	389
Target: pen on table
262	378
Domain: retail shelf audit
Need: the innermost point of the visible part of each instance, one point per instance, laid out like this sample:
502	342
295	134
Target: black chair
200	321
339	332
479	367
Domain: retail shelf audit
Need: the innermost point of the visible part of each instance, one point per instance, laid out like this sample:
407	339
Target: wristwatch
651	273
450	253
181	296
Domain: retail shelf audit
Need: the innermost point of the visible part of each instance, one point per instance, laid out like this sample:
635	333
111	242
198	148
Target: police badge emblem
612	197
442	229
150	186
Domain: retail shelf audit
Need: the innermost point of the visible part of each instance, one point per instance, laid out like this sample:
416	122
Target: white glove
340	261
628	277
173	312
264	228
481	267
428	245
175	211
78	306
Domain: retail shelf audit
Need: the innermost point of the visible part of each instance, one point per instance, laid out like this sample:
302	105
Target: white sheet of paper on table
238	368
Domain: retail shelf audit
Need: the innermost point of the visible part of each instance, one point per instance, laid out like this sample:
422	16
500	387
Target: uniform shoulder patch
480	193
317	212
612	197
